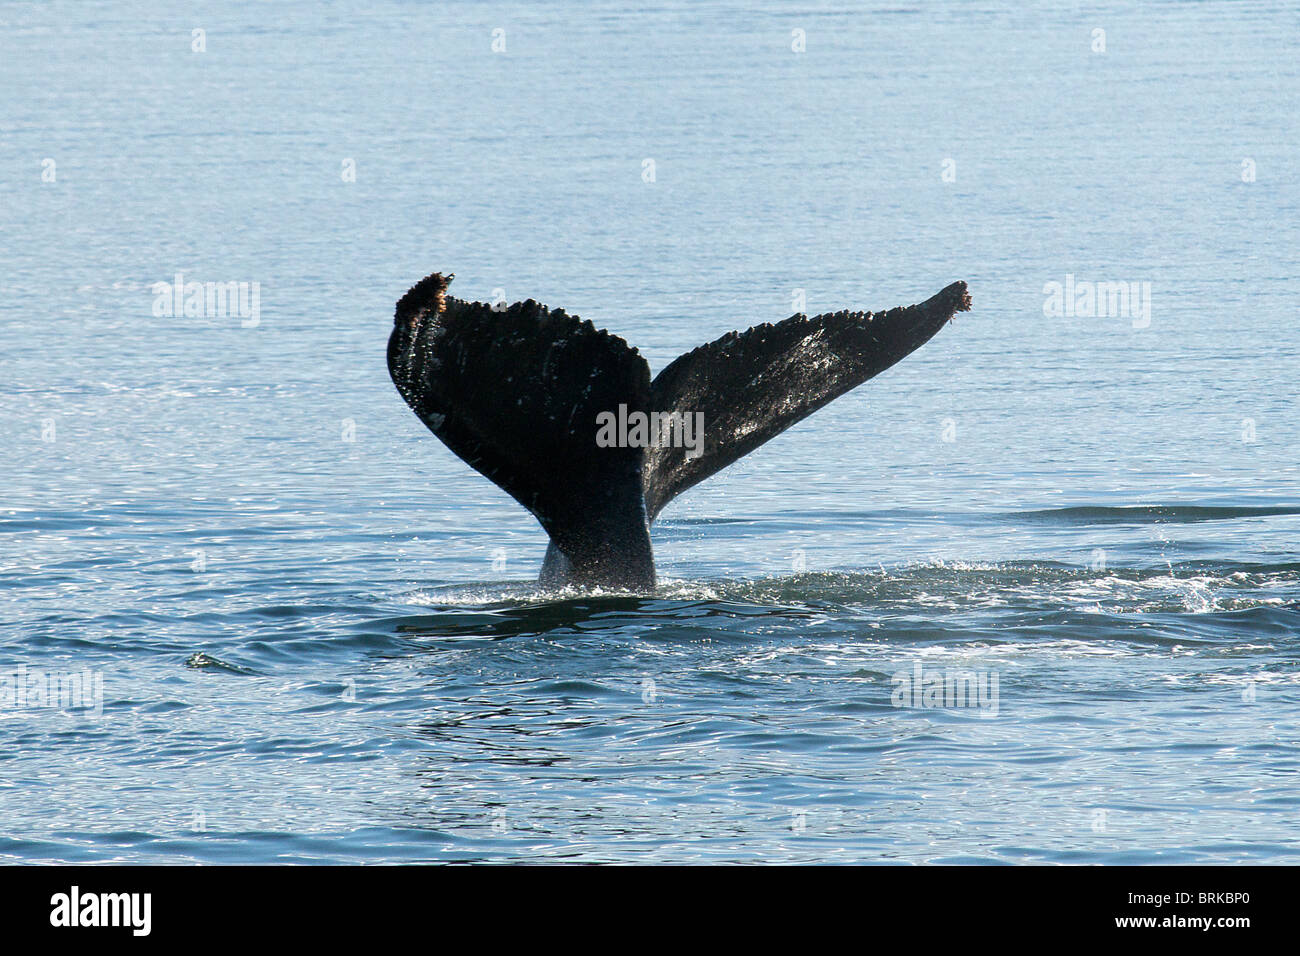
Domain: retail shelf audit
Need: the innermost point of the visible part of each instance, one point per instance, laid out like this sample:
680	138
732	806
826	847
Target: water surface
315	628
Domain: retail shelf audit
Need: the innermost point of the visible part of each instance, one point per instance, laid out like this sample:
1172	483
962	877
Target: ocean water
307	632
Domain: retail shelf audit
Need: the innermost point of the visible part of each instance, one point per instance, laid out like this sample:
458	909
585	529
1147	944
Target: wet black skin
516	394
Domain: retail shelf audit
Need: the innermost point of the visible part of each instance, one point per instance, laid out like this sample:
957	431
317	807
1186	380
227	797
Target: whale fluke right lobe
753	385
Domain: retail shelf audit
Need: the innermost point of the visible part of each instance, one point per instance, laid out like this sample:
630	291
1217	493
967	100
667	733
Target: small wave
994	594
200	660
1147	514
956	586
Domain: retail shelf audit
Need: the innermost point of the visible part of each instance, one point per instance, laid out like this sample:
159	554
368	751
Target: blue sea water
315	630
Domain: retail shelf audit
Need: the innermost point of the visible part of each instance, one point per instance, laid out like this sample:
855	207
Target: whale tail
520	393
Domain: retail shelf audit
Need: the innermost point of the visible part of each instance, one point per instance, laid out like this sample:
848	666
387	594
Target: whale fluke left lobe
515	393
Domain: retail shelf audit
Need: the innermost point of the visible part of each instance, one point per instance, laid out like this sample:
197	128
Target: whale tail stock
517	394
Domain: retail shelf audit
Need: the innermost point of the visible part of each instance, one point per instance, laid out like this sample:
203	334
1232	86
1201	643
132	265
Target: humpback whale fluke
518	393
